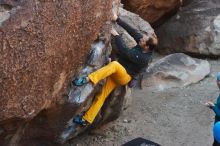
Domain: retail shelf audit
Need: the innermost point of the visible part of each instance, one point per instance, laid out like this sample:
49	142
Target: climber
131	62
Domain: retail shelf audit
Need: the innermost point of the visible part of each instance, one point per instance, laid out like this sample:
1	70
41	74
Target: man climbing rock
131	62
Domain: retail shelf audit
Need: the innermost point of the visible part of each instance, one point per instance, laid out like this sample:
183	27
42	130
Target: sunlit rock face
193	30
152	10
43	45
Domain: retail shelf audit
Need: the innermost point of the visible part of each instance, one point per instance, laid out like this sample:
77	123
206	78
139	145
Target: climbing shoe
80	81
79	120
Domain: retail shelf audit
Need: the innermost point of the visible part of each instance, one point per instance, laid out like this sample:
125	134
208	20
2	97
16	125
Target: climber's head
148	43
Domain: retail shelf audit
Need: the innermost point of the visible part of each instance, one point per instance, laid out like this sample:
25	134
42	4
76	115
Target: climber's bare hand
114	32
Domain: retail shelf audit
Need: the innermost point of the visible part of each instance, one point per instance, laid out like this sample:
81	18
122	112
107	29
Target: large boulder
152	10
194	30
44	44
175	70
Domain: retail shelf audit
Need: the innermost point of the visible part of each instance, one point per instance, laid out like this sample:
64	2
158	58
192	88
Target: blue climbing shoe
80	81
79	120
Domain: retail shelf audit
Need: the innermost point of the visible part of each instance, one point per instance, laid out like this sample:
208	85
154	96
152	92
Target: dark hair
150	43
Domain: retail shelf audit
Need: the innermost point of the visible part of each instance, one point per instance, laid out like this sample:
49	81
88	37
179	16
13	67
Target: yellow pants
115	74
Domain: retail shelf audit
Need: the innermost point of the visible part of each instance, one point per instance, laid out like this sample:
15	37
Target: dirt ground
174	117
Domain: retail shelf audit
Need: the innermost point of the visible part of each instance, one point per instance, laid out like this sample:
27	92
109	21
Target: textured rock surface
43	44
175	70
152	10
195	30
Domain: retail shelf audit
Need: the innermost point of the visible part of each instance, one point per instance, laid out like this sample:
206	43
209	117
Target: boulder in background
175	70
194	30
153	11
